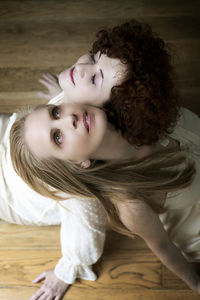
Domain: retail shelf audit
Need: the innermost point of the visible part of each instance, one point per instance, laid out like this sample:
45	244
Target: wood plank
18	237
28	44
38	33
92	293
171	281
69	10
20	267
140	270
123	242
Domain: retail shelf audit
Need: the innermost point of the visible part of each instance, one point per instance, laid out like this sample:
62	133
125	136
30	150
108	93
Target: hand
50	81
52	288
197	289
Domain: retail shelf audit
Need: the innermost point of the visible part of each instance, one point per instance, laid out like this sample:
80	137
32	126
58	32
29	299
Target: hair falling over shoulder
109	182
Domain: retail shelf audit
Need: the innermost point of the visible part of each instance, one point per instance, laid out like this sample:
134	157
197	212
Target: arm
142	220
82	240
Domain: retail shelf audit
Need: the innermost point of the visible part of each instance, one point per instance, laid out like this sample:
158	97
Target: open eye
57	136
55	112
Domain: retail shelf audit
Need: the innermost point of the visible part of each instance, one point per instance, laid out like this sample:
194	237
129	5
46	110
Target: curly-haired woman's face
91	78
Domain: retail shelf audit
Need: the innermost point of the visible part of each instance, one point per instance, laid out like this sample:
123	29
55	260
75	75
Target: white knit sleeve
83	225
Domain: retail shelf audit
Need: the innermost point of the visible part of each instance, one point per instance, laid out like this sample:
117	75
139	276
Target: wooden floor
127	269
40	36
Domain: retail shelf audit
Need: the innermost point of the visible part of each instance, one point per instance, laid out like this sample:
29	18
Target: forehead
114	66
37	126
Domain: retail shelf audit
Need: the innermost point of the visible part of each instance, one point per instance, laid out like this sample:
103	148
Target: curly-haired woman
129	72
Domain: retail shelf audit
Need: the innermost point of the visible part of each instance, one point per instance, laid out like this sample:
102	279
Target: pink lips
87	123
72	75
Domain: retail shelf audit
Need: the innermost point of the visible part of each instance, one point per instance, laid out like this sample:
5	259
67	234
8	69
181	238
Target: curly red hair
146	104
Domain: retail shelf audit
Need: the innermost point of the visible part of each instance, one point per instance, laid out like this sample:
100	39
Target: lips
72	75
87	121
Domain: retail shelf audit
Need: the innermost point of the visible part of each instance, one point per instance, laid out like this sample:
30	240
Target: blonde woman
82	221
73	149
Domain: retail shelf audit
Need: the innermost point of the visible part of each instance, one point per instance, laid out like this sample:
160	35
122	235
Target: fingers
37	295
42	294
48	78
40	277
50	82
46	297
44	96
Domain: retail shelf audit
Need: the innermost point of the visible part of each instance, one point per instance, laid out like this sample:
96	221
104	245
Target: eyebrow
102	74
49	107
101	70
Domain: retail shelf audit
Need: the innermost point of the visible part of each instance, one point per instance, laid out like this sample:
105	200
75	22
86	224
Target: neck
114	146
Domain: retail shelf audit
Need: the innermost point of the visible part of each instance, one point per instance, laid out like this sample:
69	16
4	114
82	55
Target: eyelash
94	61
93	79
55	113
56	135
92	58
55	110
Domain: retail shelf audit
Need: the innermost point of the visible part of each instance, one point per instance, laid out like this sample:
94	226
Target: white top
82	221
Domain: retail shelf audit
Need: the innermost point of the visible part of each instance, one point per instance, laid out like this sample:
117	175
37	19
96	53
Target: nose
84	70
68	122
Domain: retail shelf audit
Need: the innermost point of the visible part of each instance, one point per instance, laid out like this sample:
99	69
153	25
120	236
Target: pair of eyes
55	112
56	135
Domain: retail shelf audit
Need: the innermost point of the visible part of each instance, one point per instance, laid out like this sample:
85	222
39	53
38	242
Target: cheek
62	79
85	93
82	59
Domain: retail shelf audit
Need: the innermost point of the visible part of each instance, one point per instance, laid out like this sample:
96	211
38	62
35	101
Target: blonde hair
119	180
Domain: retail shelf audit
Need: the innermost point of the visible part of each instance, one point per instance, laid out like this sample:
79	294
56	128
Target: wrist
195	284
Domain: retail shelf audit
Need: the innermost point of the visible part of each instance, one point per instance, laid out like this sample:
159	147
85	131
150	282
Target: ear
85	164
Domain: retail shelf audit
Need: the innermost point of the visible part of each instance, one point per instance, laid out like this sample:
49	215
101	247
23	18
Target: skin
94	78
54	128
88	89
53	287
134	215
91	79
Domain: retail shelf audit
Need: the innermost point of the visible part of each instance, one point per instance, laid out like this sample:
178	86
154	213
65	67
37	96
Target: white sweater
83	221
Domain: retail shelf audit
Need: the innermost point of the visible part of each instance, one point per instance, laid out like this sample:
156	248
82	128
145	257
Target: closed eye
93	58
93	79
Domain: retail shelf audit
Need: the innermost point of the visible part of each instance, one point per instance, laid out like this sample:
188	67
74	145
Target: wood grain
47	36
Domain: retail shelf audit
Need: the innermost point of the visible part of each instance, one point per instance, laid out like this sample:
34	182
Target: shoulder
135	213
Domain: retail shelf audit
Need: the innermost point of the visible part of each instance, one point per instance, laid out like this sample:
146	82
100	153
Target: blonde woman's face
69	131
91	78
